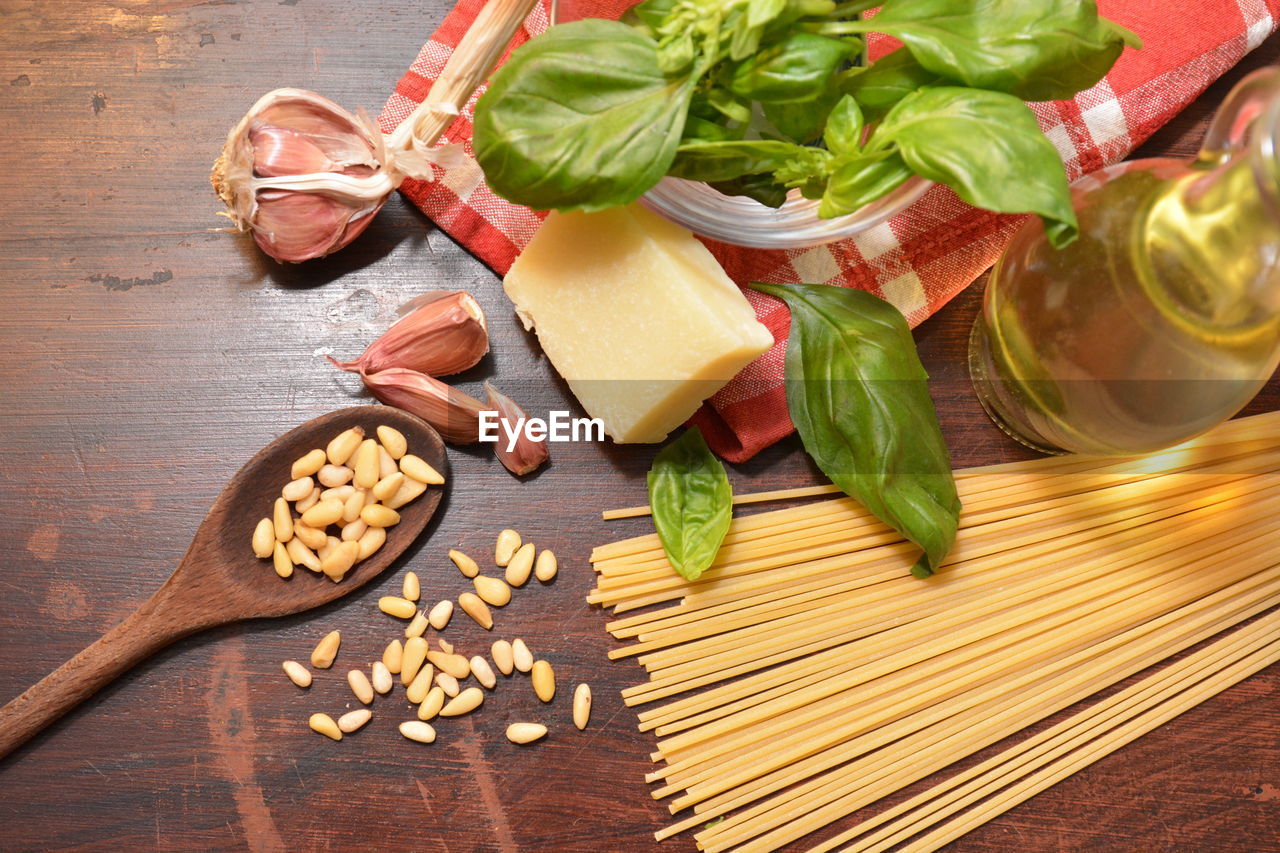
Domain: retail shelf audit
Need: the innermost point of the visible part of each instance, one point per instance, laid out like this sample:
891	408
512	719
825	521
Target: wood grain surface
149	356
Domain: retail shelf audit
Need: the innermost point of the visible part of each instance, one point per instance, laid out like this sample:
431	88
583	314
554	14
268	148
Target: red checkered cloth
919	259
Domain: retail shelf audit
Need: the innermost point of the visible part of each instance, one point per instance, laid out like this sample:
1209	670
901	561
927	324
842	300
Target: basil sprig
692	503
859	399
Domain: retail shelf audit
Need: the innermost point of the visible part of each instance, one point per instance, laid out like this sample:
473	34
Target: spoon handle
142	633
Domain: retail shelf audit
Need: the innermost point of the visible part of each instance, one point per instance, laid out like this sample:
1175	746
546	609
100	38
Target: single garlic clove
525	455
282	151
454	414
296	226
444	332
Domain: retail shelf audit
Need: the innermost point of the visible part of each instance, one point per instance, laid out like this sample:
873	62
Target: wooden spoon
220	580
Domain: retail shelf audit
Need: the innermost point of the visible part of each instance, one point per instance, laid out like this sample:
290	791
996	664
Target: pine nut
455	665
418	626
521	655
323	514
398	607
419	731
508	544
483	672
353	531
330	543
464	703
432	704
412	586
521	565
377	515
340	494
366	464
393	440
465	564
388	486
448	684
546	567
354	720
526	732
415	652
544	680
381	678
309	501
344	444
410	491
440	614
581	706
492	590
503	657
476	609
359	684
371	541
302	555
386	465
296	490
354	504
307	465
264	539
417	468
282	520
333	476
325	725
393	656
417	690
309	536
280	559
445	645
340	560
326	650
297	673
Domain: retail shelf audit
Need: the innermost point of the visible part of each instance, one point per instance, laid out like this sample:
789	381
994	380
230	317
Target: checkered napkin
917	260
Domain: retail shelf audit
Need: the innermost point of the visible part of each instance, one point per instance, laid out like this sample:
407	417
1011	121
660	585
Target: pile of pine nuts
433	677
355	485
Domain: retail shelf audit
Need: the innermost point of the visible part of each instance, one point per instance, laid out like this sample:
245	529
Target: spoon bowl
220	580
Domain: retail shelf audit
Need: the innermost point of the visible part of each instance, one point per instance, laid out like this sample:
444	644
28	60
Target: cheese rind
636	315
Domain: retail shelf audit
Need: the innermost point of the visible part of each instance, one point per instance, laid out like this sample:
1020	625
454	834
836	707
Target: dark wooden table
147	356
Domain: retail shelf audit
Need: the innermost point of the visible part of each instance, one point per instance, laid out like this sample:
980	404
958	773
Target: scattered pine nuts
526	732
371	541
445	645
340	560
415	653
401	608
343	445
388	486
508	544
353	531
521	565
354	720
309	501
544	680
503	657
324	724
440	614
381	678
416	468
323	514
333	476
465	564
448	684
296	490
483	672
464	703
264	539
366	464
455	665
280	557
354	505
408	492
330	543
307	465
393	440
492	590
476	609
359	683
418	626
521	655
386	465
297	673
432	704
302	555
338	493
326	650
581	706
377	515
546	567
282	520
392	656
417	691
309	536
411	586
419	731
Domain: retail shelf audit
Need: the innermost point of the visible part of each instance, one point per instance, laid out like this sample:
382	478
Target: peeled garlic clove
454	414
526	454
443	333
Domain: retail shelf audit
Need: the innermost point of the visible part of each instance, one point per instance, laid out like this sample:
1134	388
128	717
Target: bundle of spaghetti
807	675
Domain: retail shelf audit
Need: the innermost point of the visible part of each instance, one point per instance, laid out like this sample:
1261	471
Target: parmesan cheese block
636	315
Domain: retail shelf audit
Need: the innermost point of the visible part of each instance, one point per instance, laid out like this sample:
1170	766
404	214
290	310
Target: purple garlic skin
444	333
453	413
526	455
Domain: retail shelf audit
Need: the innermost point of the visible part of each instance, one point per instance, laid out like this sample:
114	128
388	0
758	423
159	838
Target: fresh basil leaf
794	69
700	130
843	133
987	147
580	118
728	105
857	182
886	81
761	188
859	398
1040	51
649	15
802	121
724	161
692	503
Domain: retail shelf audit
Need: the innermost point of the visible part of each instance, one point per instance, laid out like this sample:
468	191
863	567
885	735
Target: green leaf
859	398
857	182
761	188
843	133
724	161
580	118
692	503
883	83
987	147
802	121
794	69
1039	50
